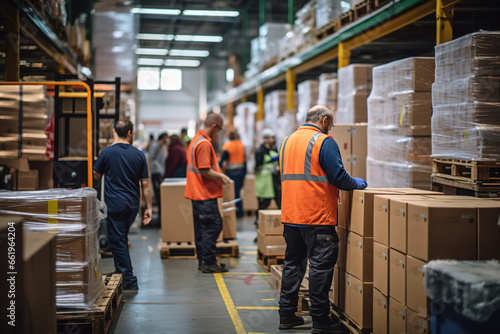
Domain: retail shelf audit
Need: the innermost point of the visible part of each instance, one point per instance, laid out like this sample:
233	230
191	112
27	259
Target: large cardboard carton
380	313
360	307
344	209
488	230
416	324
176	213
430	225
360	257
381	268
352	142
397	274
270	222
342	256
416	298
337	293
27	180
228	192
397	316
228	220
271	244
342	135
248	195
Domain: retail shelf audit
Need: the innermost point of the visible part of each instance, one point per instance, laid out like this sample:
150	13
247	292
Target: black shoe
290	322
327	328
213	268
131	287
222	265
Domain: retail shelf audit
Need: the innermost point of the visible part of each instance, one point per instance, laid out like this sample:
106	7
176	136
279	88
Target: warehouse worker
125	167
204	182
311	174
234	163
157	156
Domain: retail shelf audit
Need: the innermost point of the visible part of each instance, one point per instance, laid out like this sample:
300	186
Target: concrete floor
174	297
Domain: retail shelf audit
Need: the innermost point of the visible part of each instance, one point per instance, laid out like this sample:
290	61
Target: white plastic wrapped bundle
270	34
286	125
244	122
307	98
74	216
471	287
355	84
326	12
466	100
305	25
386	174
328	91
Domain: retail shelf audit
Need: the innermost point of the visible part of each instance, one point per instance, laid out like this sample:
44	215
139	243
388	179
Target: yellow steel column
230	116
244	99
259	116
290	90
444	16
344	55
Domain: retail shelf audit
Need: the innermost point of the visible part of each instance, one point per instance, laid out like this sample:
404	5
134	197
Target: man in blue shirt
125	167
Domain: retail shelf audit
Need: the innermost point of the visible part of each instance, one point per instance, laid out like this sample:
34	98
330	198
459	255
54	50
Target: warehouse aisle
175	297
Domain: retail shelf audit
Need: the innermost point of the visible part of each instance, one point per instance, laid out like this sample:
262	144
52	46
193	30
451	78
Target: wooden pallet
380	3
268	260
346	18
468	170
458	187
98	319
304	301
328	29
351	325
228	248
363	8
178	250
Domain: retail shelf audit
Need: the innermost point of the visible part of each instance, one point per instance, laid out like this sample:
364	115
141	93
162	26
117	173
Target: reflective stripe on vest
238	165
191	168
307	165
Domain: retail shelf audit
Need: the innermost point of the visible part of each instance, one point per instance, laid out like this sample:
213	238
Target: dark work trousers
238	176
118	224
319	244
157	178
207	227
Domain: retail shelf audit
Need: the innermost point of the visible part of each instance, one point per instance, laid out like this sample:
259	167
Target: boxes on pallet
271	245
416	298
248	195
326	12
269	36
176	213
228	220
352	142
360	257
381	268
307	98
397	274
270	222
328	90
355	83
359	304
488	230
338	291
380	312
344	209
397	316
415	323
342	257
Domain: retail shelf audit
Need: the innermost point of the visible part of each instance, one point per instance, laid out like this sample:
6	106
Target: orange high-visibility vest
236	151
198	187
307	196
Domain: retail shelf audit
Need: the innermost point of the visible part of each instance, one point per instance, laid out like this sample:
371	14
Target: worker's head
268	136
175	140
124	129
233	135
320	116
163	138
213	124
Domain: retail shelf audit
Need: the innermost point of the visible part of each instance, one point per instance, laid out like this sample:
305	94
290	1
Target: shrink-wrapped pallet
355	84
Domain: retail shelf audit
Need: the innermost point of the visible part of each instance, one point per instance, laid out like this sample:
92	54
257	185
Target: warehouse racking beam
260	103
290	90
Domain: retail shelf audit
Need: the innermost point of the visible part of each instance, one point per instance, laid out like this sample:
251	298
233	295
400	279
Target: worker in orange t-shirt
233	162
203	186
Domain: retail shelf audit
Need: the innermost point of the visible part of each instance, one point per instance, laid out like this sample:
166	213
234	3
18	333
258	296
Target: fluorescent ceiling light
182	62
224	13
155	11
189	53
153	52
150	61
155	37
198	38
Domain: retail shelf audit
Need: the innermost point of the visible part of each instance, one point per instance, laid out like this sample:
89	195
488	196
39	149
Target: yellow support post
230	116
244	99
290	90
260	103
344	55
444	16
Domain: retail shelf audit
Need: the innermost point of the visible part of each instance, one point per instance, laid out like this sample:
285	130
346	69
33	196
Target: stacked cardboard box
328	90
228	212
248	195
352	142
465	98
307	98
355	84
74	216
399	118
270	241
277	117
327	11
305	26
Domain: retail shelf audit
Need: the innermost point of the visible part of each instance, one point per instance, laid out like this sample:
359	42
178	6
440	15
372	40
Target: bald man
204	182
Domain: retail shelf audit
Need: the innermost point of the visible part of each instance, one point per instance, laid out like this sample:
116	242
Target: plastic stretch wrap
328	90
74	216
270	34
286	125
386	174
307	98
305	25
466	98
355	84
326	12
472	287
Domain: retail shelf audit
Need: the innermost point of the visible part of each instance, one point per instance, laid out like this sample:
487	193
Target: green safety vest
264	186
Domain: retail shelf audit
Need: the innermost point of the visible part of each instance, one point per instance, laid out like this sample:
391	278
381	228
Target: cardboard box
381	268
229	221
430	225
337	293
344	209
381	219
352	142
488	230
360	307
342	135
397	274
397	316
228	192
380	313
416	324
270	222
248	195
360	257
271	244
342	257
416	298
27	180
176	213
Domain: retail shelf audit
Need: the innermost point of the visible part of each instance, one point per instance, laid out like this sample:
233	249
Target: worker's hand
360	183
148	213
225	179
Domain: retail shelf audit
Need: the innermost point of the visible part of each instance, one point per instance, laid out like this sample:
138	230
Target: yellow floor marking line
250	252
233	313
257	308
244	273
265	290
233	262
143	237
268	299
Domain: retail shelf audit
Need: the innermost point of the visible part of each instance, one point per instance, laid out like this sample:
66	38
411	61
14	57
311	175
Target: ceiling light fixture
182	62
150	61
155	37
152	52
223	13
189	53
198	38
155	11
